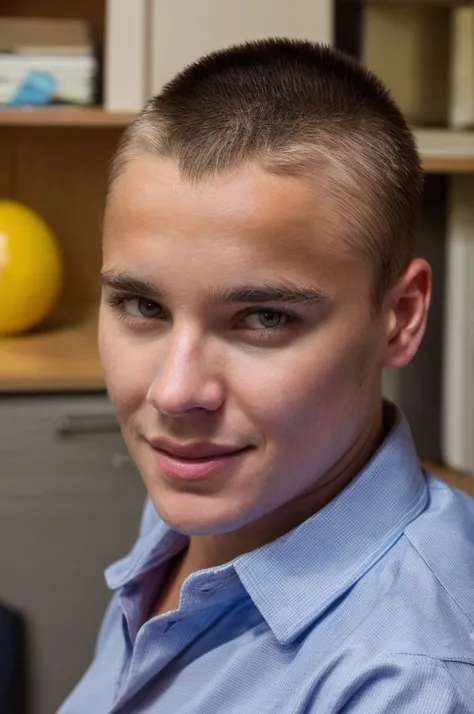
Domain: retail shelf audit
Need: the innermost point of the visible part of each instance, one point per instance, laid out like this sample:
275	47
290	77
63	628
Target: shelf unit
55	160
442	150
446	152
60	356
63	116
61	141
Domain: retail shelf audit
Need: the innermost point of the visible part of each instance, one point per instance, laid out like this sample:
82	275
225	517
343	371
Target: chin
193	520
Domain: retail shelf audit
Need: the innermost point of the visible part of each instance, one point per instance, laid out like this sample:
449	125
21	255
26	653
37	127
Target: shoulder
408	606
413	684
443	537
418	597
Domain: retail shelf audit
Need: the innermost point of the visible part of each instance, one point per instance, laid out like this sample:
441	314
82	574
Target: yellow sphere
30	268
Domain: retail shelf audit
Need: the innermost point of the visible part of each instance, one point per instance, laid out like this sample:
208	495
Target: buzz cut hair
299	109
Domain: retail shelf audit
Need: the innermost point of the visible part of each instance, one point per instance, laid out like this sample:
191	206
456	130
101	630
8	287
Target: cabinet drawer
70	504
80	436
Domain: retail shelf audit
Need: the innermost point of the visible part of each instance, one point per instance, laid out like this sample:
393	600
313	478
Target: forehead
243	218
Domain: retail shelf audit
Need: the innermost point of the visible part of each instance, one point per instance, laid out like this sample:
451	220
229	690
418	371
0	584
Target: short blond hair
295	108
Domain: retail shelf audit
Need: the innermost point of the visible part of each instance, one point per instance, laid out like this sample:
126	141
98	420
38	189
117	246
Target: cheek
126	370
308	390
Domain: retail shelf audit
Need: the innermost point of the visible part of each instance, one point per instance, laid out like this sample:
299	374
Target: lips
196	468
198	459
194	450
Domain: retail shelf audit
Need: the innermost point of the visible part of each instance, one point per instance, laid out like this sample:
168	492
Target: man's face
297	382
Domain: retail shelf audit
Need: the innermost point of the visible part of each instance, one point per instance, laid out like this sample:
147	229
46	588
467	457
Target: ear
406	311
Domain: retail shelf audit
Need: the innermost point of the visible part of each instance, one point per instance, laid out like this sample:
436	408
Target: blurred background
72	76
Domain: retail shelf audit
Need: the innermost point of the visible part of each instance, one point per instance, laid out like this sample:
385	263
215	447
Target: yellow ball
30	268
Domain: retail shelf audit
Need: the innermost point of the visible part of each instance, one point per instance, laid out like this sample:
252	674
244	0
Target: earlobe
409	302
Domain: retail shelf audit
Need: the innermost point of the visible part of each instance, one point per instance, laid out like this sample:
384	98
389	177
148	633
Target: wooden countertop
61	355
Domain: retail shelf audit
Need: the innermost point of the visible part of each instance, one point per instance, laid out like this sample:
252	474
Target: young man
258	276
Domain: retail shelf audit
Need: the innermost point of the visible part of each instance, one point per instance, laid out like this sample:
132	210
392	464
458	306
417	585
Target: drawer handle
87	424
119	460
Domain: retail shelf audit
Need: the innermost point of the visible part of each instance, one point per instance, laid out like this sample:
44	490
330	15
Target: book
126	55
183	32
458	370
40	36
408	47
72	79
461	105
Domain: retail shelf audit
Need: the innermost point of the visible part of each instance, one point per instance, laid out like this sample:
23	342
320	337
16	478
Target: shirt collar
150	550
295	578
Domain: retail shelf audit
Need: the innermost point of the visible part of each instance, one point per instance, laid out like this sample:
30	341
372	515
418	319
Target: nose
185	377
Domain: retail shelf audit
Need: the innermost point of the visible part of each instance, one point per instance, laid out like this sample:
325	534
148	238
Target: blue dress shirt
367	607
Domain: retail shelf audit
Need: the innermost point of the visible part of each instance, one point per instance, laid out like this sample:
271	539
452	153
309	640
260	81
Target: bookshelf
72	148
445	151
55	160
59	356
64	117
442	150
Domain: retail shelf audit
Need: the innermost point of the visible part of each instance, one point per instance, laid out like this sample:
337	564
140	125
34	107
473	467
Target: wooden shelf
62	355
444	151
64	116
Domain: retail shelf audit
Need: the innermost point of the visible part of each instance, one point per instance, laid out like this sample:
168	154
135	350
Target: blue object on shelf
36	90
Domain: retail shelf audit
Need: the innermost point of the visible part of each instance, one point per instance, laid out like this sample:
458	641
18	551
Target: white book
461	109
184	30
125	75
444	143
458	379
74	76
407	46
73	65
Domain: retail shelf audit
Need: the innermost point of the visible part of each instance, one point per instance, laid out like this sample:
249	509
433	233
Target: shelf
444	151
62	355
65	116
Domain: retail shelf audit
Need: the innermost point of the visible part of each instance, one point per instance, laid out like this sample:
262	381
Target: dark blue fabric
11	662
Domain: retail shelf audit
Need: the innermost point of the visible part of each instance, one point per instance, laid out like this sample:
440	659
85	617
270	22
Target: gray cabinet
70	504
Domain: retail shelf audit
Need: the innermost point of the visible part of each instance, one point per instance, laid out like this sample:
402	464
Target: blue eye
274	317
141	307
142	314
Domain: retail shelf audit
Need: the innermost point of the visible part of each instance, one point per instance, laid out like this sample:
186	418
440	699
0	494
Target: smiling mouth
181	468
201	459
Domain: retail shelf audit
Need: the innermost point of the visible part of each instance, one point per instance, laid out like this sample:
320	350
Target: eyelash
118	302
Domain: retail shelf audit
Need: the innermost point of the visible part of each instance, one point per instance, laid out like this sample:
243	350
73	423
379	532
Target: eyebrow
270	291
